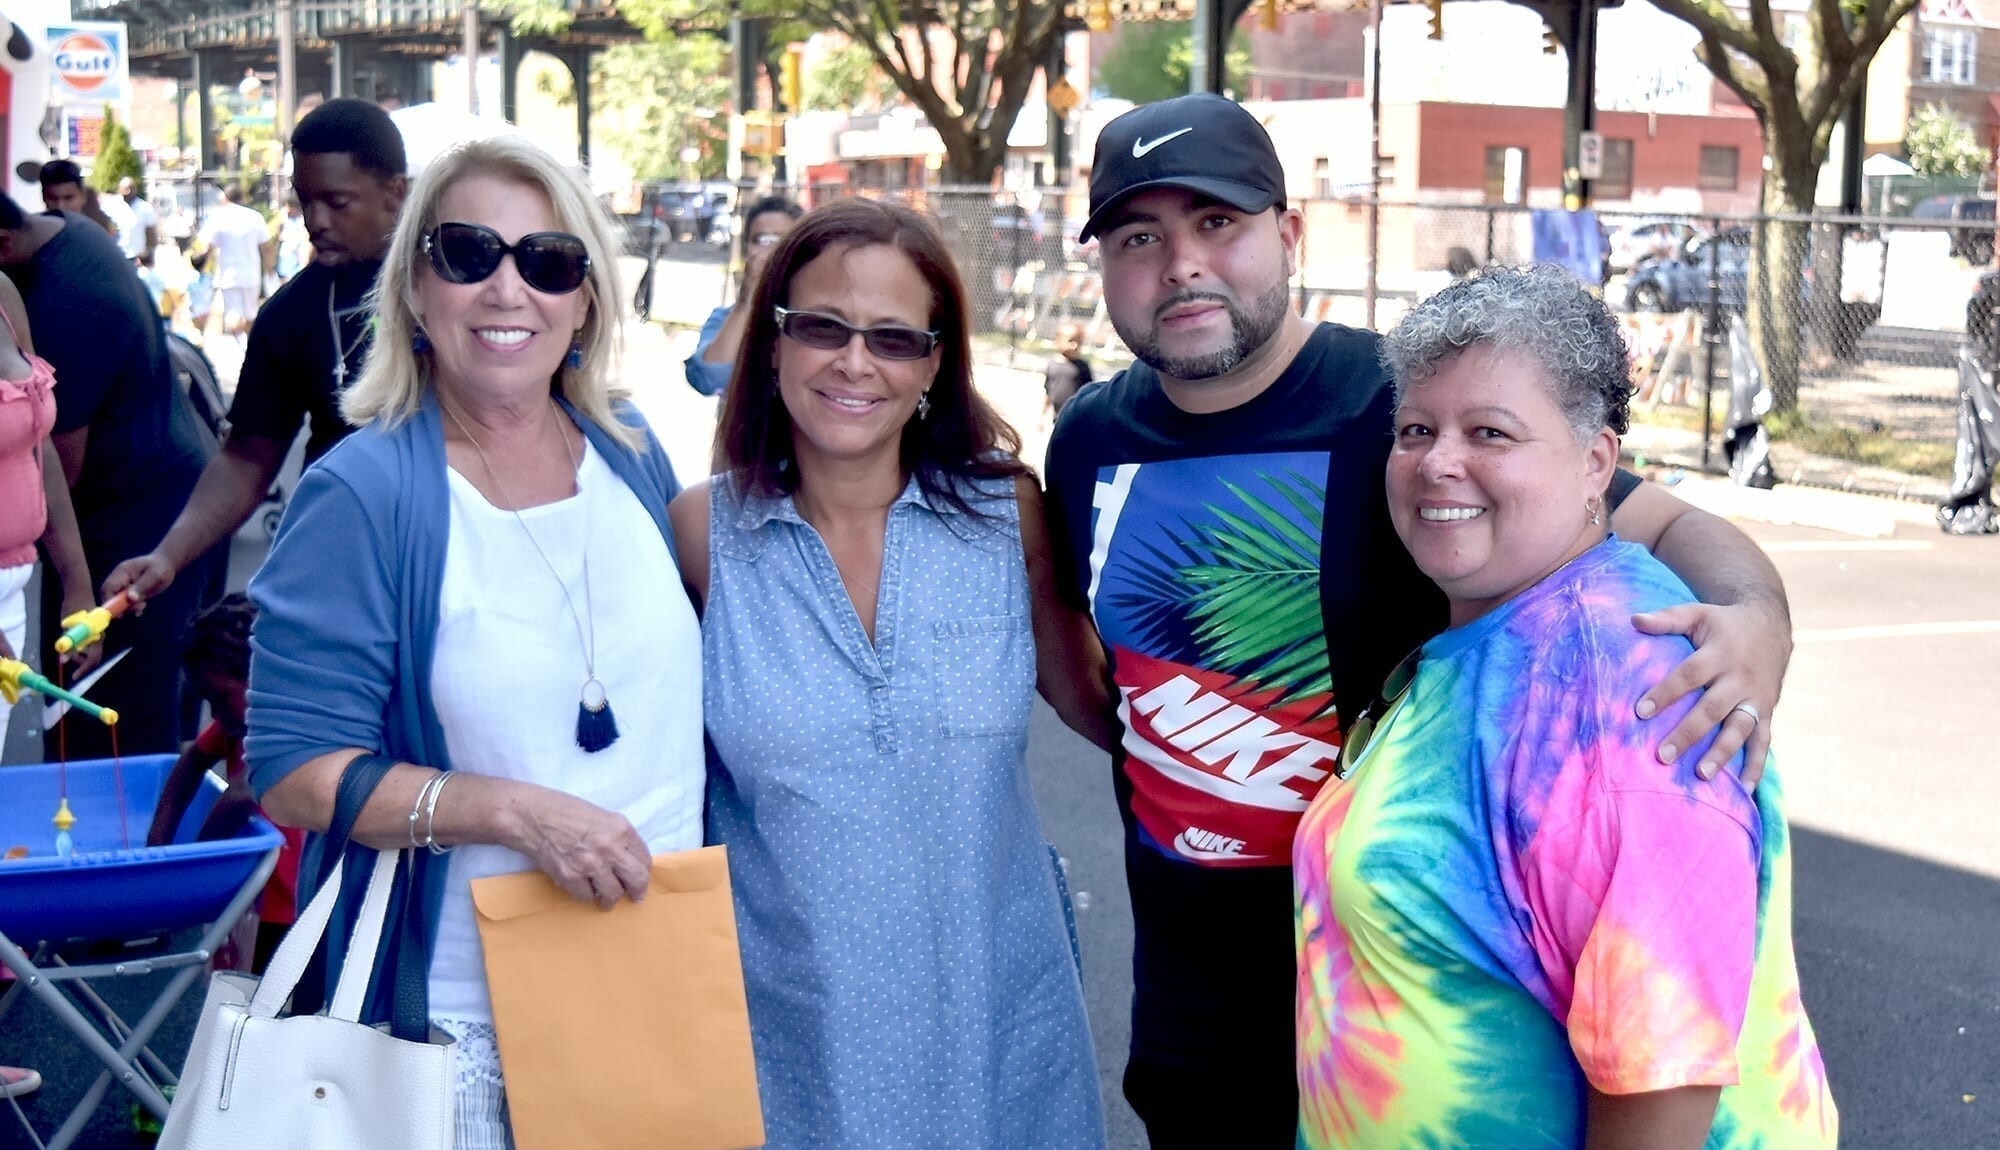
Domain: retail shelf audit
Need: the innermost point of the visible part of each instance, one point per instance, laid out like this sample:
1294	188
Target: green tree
1151	60
678	86
845	80
1941	144
966	64
115	157
1798	72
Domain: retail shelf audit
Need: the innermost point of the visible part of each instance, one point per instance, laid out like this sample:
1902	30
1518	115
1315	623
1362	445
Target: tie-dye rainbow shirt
1510	896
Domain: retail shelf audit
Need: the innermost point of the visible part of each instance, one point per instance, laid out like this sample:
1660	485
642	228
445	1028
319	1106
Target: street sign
1590	155
1062	96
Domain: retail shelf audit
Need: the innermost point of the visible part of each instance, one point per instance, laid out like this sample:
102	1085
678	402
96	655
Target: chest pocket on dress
985	674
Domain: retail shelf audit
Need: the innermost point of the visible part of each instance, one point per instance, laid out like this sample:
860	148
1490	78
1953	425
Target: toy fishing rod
17	677
86	627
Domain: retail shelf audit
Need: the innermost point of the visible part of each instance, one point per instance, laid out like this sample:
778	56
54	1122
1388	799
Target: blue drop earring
419	342
575	357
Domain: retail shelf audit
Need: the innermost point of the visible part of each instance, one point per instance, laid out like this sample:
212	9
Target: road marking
1785	546
1898	631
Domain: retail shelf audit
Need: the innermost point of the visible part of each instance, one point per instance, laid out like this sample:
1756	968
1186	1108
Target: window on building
1616	182
1718	167
1323	178
1506	174
1951	55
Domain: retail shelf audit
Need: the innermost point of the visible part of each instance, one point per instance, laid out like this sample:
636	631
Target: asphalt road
1884	746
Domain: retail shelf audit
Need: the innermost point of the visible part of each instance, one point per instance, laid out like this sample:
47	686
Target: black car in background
1972	243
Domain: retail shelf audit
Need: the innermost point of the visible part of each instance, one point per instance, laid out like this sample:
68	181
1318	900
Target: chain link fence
1854	323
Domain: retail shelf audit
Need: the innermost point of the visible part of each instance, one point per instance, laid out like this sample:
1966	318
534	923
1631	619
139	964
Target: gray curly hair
1541	311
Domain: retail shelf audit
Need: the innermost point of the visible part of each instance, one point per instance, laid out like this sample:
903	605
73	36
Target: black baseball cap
1203	142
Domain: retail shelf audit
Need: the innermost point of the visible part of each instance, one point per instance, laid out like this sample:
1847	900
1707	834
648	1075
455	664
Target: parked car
1973	243
1679	281
1639	240
686	213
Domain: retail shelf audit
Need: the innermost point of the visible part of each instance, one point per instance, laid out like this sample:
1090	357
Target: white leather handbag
318	1081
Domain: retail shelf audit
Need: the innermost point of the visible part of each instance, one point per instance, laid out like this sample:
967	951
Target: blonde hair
395	378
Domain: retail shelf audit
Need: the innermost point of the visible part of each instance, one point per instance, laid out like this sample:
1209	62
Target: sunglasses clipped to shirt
553	263
831	333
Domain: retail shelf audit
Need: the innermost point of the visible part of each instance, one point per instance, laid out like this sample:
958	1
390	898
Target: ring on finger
1750	709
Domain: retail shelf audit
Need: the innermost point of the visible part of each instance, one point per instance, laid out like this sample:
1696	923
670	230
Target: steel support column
341	67
508	51
204	110
578	60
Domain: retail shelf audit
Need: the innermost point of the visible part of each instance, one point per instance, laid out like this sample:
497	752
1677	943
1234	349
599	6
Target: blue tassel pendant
596	726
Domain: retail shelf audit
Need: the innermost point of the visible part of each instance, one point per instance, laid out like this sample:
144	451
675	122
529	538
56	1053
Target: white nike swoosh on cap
1141	147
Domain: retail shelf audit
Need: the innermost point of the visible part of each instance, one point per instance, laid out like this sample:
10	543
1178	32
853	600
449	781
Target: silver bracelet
430	816
416	808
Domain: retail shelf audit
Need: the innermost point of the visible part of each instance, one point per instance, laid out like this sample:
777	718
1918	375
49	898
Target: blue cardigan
347	626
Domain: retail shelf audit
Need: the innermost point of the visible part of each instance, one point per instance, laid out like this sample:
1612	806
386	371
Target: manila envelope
624	1029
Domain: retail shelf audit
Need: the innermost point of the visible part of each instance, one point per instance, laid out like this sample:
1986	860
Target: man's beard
1250	328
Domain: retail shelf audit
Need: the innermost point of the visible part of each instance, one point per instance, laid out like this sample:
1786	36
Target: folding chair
108	891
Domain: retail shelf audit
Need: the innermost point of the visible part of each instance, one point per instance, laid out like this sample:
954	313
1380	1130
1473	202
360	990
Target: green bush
115	158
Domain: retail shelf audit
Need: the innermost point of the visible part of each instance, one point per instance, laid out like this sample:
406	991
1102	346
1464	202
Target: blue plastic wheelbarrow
106	892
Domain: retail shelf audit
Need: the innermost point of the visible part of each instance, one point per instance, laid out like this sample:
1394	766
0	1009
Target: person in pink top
34	508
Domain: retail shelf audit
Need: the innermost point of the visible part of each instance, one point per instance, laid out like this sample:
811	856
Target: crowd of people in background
1398	789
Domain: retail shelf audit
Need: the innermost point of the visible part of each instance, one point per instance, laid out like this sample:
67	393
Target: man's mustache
1188	297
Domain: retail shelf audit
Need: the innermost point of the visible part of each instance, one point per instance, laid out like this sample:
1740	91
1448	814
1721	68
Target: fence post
1711	333
1491	211
1020	217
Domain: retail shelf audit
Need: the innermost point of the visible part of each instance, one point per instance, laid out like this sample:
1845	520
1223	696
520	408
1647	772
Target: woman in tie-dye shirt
1516	926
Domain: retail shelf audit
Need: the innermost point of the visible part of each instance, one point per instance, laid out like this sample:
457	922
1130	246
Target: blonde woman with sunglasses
871	568
464	590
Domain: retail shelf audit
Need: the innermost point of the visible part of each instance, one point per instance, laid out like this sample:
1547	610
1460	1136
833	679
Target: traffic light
1267	15
790	88
1097	16
1550	43
1437	19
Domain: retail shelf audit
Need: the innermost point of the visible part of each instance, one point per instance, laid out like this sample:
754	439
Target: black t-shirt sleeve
1623	483
93	356
1067	473
268	403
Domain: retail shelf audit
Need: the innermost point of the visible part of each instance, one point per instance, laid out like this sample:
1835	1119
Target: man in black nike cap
1184	489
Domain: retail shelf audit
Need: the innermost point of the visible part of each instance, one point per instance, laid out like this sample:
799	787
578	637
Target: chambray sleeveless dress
910	976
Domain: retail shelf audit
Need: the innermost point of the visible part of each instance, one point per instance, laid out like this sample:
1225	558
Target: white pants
14	620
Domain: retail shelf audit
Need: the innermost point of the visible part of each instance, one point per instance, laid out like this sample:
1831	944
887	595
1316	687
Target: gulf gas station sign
88	63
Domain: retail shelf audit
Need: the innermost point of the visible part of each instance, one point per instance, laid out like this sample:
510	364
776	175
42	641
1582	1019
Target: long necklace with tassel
596	726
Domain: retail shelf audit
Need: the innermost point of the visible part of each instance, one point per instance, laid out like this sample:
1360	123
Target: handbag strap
364	945
408	991
289	961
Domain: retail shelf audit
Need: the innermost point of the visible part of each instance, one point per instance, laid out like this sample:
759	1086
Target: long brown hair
962	438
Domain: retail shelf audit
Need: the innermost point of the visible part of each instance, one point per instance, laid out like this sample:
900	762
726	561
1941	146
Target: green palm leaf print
1248	584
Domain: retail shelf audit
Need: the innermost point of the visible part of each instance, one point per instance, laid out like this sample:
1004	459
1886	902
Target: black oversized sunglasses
553	263
830	333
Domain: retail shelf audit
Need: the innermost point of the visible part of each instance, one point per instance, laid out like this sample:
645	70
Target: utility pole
1211	39
1368	292
1580	110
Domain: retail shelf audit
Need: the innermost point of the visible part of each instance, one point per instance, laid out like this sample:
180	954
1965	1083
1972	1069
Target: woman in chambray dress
872	609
